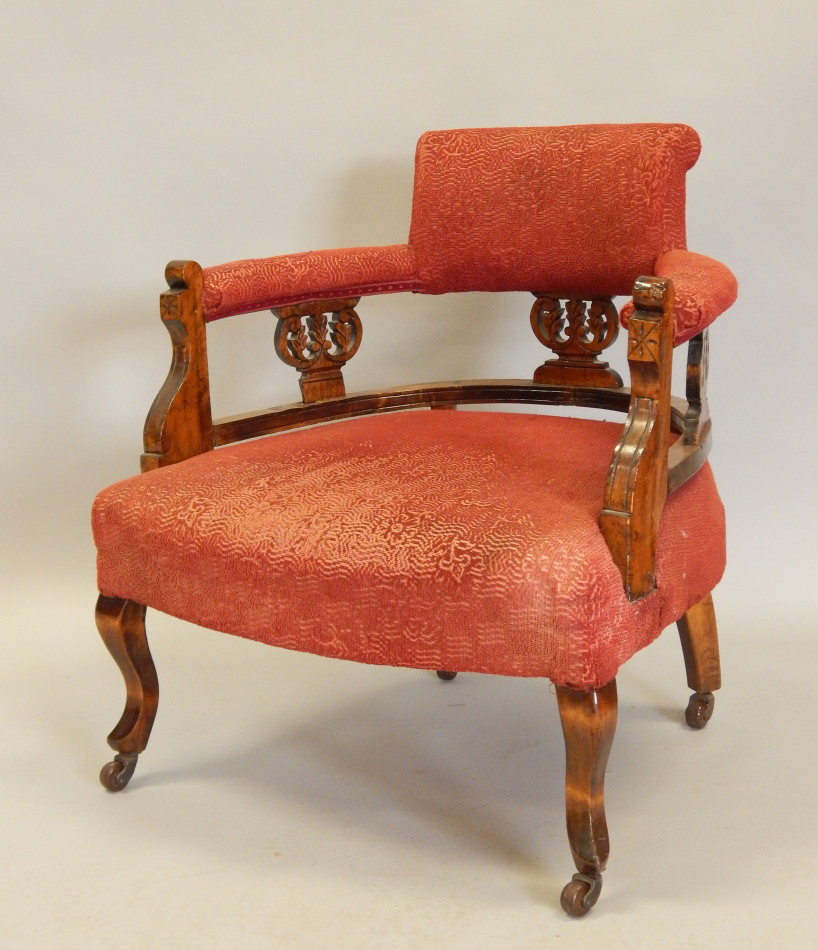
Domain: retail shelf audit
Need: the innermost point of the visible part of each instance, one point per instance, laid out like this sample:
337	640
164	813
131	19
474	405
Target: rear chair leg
700	646
121	624
588	724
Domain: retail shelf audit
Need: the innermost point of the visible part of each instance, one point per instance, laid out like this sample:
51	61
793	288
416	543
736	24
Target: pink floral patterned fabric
247	286
460	541
580	209
704	289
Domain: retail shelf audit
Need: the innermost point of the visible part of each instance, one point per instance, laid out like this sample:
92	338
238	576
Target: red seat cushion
434	540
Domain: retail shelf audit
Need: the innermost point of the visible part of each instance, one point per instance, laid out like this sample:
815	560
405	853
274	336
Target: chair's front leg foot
588	724
121	624
700	646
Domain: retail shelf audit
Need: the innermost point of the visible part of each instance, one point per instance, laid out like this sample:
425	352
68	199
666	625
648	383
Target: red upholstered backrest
581	209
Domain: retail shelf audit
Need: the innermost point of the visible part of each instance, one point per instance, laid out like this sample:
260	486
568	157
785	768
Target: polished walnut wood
577	334
687	455
121	624
179	423
318	345
684	460
637	481
588	725
697	418
700	647
425	395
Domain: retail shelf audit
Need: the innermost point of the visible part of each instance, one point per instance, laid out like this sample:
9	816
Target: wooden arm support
179	424
636	488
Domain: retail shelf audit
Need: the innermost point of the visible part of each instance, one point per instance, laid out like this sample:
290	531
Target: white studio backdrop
142	132
134	133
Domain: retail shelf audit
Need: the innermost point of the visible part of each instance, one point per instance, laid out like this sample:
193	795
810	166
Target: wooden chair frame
317	338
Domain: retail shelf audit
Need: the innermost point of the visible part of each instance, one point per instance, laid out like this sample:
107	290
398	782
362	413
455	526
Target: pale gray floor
288	801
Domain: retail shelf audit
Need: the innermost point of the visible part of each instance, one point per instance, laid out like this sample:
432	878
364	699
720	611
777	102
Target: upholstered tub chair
510	542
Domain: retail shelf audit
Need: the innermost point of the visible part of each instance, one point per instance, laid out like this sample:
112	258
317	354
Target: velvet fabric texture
580	210
459	541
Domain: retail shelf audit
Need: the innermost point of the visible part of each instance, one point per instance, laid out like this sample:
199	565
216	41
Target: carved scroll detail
179	423
317	345
577	333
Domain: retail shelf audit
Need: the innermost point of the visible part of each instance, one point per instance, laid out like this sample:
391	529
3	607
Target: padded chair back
582	210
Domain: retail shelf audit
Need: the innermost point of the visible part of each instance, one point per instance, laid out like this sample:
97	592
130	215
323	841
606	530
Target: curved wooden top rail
683	460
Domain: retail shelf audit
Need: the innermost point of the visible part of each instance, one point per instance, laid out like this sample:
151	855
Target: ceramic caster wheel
446	674
116	775
580	894
699	710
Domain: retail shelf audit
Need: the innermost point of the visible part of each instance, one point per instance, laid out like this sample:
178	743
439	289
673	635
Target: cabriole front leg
121	624
588	724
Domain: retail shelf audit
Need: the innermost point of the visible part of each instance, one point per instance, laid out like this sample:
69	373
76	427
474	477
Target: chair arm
179	424
261	284
636	487
704	288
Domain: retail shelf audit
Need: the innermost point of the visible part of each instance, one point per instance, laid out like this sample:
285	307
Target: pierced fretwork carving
697	418
318	345
577	333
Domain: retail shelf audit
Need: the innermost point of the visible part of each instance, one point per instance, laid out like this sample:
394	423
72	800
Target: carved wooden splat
317	338
577	333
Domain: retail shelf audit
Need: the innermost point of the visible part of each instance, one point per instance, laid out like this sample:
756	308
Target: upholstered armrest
703	287
250	285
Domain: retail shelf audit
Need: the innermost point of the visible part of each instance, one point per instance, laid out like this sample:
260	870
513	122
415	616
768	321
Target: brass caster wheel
580	894
116	775
699	710
446	674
